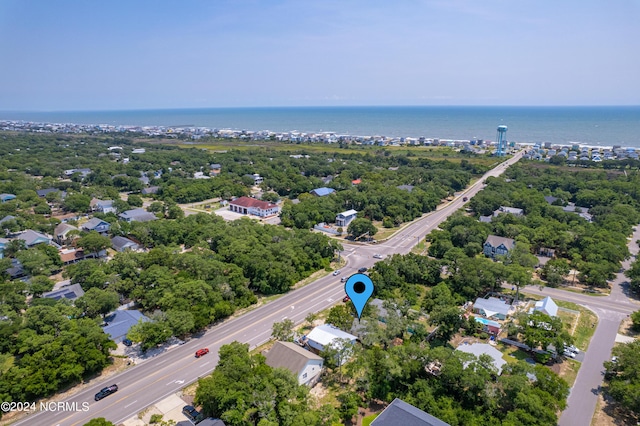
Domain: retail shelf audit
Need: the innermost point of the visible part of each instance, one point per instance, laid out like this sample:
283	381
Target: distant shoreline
563	126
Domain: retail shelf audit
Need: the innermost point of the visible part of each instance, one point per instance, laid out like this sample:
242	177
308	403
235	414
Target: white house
547	306
327	335
306	365
344	219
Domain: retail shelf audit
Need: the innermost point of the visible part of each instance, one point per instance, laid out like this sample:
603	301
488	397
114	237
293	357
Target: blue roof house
119	323
321	192
7	197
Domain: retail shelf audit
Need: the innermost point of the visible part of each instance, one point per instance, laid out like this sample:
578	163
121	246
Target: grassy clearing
586	326
384	232
420	248
512	354
569	371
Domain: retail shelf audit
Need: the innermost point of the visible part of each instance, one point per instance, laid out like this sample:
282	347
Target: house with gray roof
478	349
498	246
509	210
304	364
492	308
32	238
150	190
121	244
7	219
402	413
70	292
120	321
102	206
98	225
137	215
61	233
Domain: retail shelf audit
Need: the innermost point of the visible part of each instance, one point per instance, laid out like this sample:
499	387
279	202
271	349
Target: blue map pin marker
359	288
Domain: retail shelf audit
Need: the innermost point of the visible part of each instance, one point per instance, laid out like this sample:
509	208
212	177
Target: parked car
336	272
127	342
572	349
190	412
569	354
362	270
346	299
201	352
104	392
377	256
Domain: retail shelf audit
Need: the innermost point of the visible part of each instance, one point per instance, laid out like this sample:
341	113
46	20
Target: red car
346	299
201	352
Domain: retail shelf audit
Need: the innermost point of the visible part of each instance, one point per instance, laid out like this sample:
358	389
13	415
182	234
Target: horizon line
314	107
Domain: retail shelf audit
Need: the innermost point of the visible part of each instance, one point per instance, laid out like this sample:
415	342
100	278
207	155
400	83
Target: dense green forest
595	248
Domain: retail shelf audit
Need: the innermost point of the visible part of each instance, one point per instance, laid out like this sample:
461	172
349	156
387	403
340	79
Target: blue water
586	125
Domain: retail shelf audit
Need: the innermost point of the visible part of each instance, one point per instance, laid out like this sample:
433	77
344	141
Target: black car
362	270
190	412
104	392
127	342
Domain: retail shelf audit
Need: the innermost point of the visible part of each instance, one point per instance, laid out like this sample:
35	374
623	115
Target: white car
377	256
336	272
569	354
572	349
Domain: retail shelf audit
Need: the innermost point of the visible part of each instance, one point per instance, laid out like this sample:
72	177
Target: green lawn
587	323
367	420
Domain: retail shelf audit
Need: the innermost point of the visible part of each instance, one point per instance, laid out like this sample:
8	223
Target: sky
68	55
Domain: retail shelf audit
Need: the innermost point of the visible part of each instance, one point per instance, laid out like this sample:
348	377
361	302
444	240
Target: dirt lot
608	413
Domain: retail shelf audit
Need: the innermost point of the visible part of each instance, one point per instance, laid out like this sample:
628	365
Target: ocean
598	126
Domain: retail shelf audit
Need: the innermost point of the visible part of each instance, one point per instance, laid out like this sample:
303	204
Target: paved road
153	380
611	310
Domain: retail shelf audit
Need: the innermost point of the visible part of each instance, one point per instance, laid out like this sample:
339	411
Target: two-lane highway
144	384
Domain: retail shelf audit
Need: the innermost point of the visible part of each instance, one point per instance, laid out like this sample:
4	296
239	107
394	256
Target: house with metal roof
137	215
327	335
344	219
7	197
304	364
321	192
478	349
119	323
492	308
402	413
547	306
